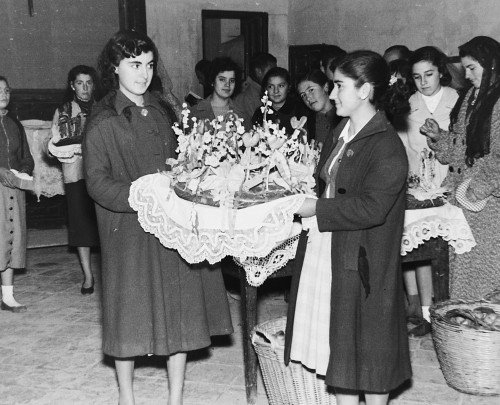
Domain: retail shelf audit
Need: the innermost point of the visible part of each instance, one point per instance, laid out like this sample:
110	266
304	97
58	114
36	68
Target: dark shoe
414	319
20	308
420	330
88	290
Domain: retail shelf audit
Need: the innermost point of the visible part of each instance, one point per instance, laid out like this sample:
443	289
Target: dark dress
153	301
368	338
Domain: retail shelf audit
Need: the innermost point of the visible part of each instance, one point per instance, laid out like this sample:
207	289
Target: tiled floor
51	354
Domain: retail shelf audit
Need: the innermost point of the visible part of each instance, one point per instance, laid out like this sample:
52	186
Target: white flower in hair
393	79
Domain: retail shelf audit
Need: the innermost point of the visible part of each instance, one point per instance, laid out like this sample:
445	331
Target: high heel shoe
88	290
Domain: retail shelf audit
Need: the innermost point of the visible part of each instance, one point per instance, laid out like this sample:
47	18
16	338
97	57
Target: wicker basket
292	385
469	358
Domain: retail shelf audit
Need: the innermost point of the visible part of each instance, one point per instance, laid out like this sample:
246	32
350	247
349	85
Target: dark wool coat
153	301
368	337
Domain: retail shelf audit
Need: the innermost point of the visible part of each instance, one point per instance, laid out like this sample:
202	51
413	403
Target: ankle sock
8	296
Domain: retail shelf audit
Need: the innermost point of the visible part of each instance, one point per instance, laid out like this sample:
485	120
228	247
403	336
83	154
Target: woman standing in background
471	148
14	154
433	99
68	126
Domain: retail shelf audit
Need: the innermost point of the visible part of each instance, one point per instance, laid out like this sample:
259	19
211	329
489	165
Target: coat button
11	197
454	141
10	208
11	232
451	169
341	190
459	170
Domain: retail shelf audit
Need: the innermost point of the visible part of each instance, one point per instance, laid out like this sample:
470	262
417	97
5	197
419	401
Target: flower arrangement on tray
422	191
220	163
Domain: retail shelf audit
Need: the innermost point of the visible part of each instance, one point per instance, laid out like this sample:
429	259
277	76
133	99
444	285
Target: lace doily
47	175
446	221
258	269
200	232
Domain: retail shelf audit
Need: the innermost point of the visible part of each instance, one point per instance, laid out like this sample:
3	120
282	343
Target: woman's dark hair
400	89
315	76
219	65
4	79
435	57
487	52
367	67
330	56
72	75
124	44
402	50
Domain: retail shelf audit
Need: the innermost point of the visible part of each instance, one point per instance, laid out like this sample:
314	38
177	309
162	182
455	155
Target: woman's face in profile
83	86
426	77
473	71
345	94
224	84
277	89
314	96
4	95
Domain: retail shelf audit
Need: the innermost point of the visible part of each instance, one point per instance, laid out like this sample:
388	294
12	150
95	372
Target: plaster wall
175	27
38	51
375	25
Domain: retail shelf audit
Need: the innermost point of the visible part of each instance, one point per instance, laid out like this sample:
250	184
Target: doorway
235	34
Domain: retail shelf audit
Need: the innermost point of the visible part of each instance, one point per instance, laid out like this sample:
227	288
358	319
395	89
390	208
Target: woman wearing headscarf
471	148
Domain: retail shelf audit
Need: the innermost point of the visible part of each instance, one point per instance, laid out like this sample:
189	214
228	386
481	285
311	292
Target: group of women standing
346	315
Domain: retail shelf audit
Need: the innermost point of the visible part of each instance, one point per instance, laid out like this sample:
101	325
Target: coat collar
377	124
448	100
122	102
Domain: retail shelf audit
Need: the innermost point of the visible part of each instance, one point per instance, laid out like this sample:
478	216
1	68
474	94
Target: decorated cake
221	164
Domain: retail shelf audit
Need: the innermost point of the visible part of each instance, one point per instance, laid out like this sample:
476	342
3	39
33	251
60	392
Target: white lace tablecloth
447	221
201	232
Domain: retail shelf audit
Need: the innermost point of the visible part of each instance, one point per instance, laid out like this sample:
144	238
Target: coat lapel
377	124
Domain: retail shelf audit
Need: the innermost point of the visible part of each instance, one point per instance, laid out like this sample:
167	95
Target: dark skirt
82	222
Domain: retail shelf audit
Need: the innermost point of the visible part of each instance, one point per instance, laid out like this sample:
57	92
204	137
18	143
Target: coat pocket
364	270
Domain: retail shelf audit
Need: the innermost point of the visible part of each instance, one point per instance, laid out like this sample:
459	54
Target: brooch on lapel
349	152
144	112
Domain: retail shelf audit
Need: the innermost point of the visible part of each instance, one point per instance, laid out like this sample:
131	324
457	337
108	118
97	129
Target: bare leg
424	282
376	399
347	399
125	375
176	367
7	276
84	255
410	280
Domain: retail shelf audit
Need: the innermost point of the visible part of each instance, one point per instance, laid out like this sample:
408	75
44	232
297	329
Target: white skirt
311	328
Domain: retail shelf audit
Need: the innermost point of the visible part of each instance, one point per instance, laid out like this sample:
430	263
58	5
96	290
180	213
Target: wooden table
435	250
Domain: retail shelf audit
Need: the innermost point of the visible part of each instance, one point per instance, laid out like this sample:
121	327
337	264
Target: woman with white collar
433	99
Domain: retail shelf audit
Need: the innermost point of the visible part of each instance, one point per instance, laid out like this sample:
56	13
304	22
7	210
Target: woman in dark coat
153	301
14	155
358	226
